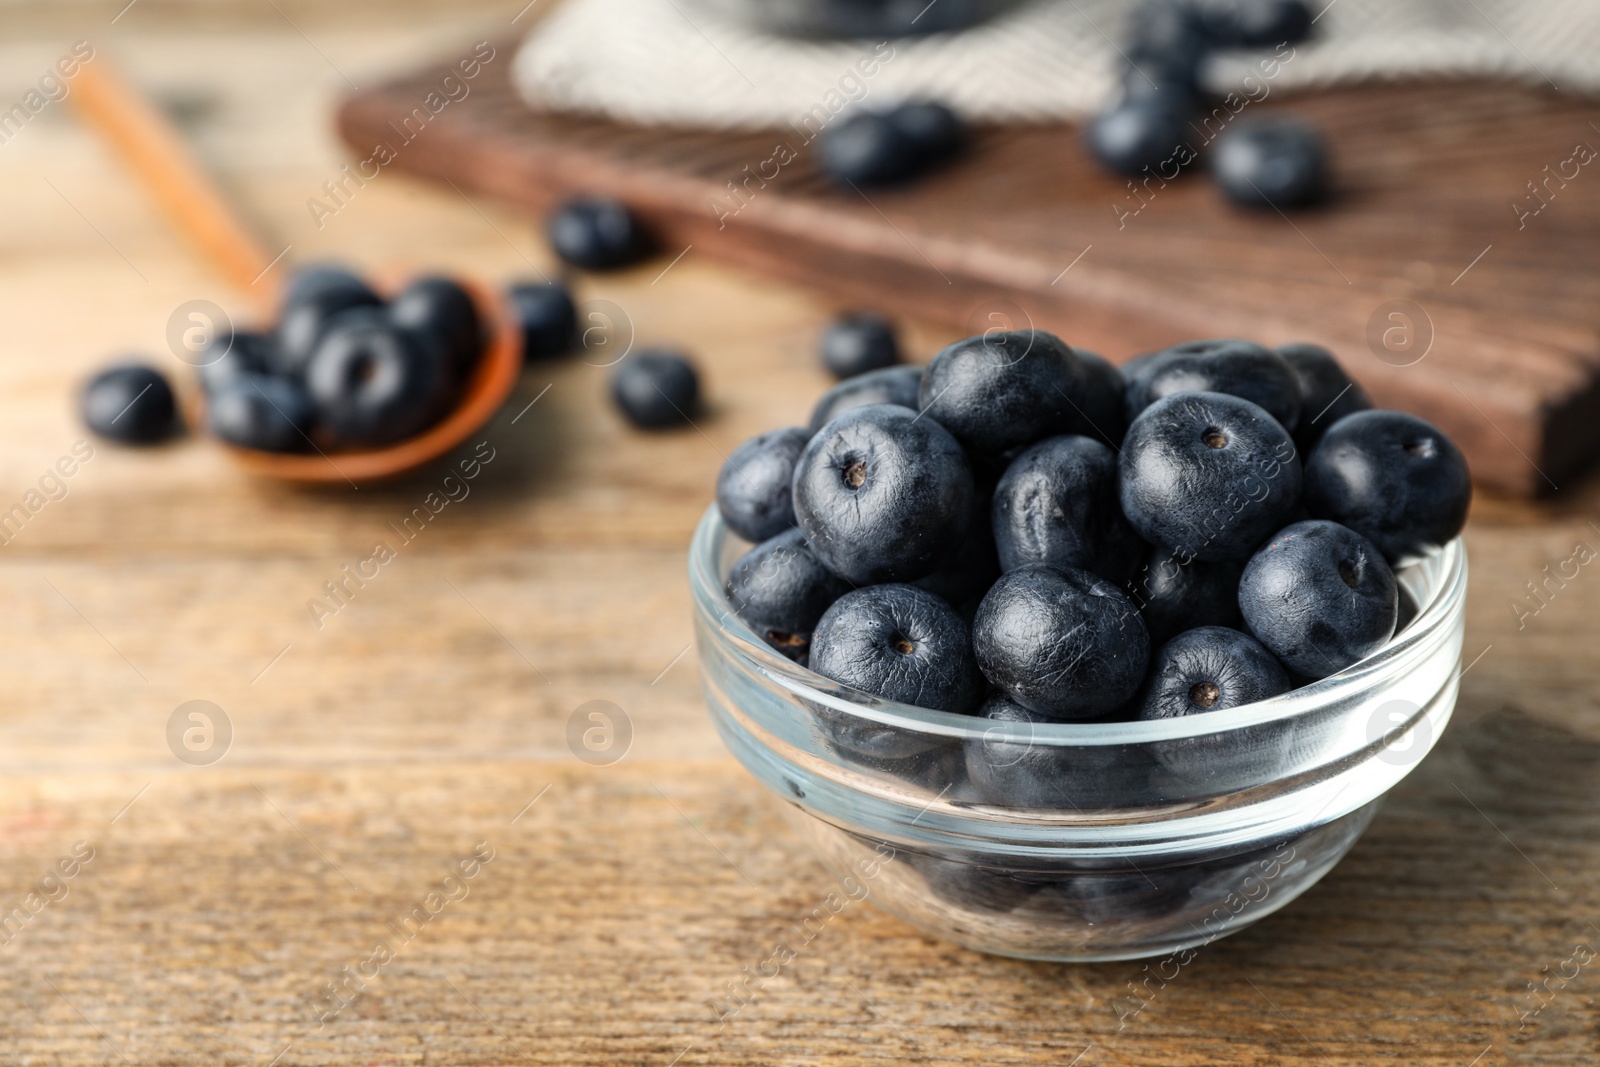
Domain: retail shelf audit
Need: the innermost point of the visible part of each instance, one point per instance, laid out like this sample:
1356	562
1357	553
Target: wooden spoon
154	150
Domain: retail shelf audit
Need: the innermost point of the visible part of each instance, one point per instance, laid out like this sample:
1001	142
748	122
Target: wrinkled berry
1327	393
1392	478
882	494
1211	668
1057	503
1320	597
900	643
892	385
1062	643
1208	475
755	489
781	589
999	390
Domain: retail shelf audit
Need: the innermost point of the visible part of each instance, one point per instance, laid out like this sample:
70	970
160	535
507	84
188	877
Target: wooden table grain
229	912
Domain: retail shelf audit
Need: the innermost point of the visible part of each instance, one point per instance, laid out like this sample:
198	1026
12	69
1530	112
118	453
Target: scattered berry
548	320
596	233
934	131
1143	132
1270	163
857	343
1167	45
656	388
131	403
867	149
1258	23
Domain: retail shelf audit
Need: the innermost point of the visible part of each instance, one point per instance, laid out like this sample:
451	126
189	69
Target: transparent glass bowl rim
1395	658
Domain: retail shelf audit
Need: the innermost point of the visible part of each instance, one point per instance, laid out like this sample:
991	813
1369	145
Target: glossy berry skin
230	357
596	233
1175	594
882	495
1101	413
899	643
857	343
1327	393
781	590
1061	643
1320	597
868	149
373	382
656	388
892	385
1392	478
130	403
1238	368
1144	131
442	307
999	390
309	312
1007	768
934	131
1057	503
1271	163
1208	475
547	318
1211	668
255	411
755	489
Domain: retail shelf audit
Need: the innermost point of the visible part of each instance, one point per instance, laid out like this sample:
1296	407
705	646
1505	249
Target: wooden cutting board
1446	286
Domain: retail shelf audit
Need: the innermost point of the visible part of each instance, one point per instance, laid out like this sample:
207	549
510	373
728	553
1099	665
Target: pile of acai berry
1023	531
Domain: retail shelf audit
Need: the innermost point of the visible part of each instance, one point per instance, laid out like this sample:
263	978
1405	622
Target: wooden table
429	715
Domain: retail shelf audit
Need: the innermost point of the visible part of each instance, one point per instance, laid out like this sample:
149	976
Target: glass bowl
1116	840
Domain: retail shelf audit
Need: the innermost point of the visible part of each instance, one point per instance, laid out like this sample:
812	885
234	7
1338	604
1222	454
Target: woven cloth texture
669	62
